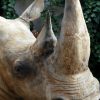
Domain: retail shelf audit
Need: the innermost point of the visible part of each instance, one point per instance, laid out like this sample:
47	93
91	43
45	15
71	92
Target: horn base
81	86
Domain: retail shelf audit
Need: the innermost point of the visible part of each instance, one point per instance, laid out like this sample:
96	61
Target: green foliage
7	7
56	9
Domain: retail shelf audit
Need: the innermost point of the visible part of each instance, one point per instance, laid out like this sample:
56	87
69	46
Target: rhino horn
74	42
46	40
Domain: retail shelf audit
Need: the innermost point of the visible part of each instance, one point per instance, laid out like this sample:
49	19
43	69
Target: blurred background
11	9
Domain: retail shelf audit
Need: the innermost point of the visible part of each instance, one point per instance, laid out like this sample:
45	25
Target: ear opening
33	11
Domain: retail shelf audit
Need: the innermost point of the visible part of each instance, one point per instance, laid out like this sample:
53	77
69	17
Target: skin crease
42	68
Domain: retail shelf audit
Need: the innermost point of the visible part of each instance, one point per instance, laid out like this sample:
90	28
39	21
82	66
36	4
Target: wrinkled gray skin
42	68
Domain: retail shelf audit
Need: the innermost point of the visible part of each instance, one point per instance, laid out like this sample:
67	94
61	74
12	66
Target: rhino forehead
15	30
15	38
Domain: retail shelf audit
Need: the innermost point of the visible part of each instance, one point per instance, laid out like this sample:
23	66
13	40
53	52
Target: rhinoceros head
44	68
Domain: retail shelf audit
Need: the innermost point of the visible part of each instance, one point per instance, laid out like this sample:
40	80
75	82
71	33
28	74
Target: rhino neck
73	50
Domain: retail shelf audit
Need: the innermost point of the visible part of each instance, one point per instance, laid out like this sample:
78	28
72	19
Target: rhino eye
22	69
57	99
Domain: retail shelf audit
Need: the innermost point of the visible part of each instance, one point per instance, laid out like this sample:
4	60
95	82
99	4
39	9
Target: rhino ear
46	40
33	11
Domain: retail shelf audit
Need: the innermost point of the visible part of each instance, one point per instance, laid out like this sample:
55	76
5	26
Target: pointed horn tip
48	14
48	17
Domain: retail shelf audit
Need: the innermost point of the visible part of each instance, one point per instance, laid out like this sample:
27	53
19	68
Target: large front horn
46	40
33	11
74	42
